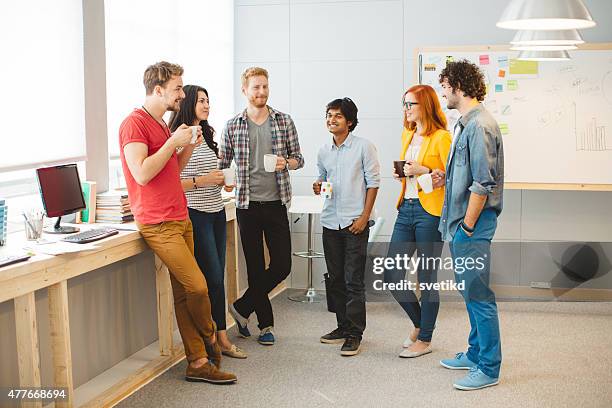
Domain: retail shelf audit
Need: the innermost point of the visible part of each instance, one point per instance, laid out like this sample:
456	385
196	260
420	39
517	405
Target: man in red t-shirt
152	166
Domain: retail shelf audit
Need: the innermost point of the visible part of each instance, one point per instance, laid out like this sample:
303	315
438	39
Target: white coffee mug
194	134
326	189
270	162
229	176
425	182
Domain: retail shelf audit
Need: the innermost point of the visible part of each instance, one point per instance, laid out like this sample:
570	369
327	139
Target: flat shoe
408	342
234	352
413	354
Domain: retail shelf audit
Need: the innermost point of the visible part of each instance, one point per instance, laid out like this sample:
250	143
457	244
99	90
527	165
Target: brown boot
214	353
209	373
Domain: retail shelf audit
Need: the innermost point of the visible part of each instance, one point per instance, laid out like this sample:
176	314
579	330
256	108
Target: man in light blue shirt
350	164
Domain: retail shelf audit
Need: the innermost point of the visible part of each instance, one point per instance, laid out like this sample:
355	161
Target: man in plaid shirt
261	197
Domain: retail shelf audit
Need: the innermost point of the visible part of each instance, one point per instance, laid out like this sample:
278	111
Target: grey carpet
555	355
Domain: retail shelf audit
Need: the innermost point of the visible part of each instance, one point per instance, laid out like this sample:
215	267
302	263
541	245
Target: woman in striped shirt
202	183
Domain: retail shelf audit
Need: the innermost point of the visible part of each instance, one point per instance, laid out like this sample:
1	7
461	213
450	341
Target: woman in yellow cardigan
425	147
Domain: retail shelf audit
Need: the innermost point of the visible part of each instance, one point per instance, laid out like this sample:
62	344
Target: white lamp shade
547	37
545	15
544	56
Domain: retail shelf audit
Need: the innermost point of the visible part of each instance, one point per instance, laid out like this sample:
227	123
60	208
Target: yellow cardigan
434	155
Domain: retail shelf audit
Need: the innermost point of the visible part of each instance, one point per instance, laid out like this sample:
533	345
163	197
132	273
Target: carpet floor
554	355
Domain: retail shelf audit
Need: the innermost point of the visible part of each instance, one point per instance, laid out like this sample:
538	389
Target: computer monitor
61	193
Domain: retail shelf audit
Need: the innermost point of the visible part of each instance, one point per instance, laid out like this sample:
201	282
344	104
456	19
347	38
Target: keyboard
11	259
90	235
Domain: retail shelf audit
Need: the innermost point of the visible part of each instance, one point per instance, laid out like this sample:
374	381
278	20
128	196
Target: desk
20	281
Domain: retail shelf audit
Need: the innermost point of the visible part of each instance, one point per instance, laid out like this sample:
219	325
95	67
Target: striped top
208	198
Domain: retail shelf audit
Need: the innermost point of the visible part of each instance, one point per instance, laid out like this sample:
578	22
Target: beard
259	102
174	106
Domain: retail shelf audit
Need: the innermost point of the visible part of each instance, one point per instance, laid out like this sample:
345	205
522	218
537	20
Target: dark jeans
345	256
263	220
209	240
416	229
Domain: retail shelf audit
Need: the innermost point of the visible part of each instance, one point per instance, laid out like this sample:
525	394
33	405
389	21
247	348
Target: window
197	34
42	77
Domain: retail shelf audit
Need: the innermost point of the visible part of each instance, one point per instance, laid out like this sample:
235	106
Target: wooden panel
59	324
165	309
140	378
231	261
28	356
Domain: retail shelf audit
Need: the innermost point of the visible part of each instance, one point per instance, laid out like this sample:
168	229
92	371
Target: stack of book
3	223
113	207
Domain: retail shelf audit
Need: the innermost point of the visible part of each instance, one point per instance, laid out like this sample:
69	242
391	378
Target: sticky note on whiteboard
502	61
501	73
484	60
499	88
503	127
512	85
430	67
518	67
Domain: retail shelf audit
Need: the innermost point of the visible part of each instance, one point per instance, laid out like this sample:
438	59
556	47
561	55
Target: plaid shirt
235	146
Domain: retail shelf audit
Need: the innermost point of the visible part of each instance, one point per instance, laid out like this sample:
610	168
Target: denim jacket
476	164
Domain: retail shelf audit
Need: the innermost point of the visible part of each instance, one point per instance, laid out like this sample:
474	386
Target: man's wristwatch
466	228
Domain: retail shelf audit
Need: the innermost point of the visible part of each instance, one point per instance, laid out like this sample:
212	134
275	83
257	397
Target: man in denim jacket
472	203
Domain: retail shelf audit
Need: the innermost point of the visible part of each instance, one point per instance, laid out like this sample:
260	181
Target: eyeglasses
408	104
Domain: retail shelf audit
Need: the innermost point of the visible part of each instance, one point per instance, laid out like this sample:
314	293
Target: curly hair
465	76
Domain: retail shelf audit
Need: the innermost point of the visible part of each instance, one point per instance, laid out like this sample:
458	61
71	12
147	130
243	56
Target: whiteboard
555	117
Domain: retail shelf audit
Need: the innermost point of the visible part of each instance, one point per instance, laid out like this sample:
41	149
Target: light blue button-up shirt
352	168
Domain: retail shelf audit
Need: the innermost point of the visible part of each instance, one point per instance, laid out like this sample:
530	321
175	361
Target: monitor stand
58	229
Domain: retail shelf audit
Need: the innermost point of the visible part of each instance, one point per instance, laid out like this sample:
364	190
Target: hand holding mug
438	178
181	136
395	175
316	187
281	163
215	177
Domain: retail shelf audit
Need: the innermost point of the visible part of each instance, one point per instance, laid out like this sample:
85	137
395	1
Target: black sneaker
334	337
351	346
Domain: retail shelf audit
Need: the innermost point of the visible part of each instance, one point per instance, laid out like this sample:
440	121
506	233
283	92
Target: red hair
432	116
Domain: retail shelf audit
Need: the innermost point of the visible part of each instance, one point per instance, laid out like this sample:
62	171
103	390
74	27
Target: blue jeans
416	229
484	339
209	243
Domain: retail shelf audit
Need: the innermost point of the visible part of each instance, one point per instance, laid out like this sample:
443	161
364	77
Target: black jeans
263	220
345	256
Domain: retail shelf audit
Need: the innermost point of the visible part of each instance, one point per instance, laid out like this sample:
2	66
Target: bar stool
310	205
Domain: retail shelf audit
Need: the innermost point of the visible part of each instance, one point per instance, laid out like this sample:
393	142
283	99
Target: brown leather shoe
209	373
214	353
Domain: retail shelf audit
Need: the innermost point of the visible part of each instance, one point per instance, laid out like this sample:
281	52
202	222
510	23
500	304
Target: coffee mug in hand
229	176
194	134
270	162
425	182
398	165
326	189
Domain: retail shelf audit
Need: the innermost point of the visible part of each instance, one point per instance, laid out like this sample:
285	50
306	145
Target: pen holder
33	228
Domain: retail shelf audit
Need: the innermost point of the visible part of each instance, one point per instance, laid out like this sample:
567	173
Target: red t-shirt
162	198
